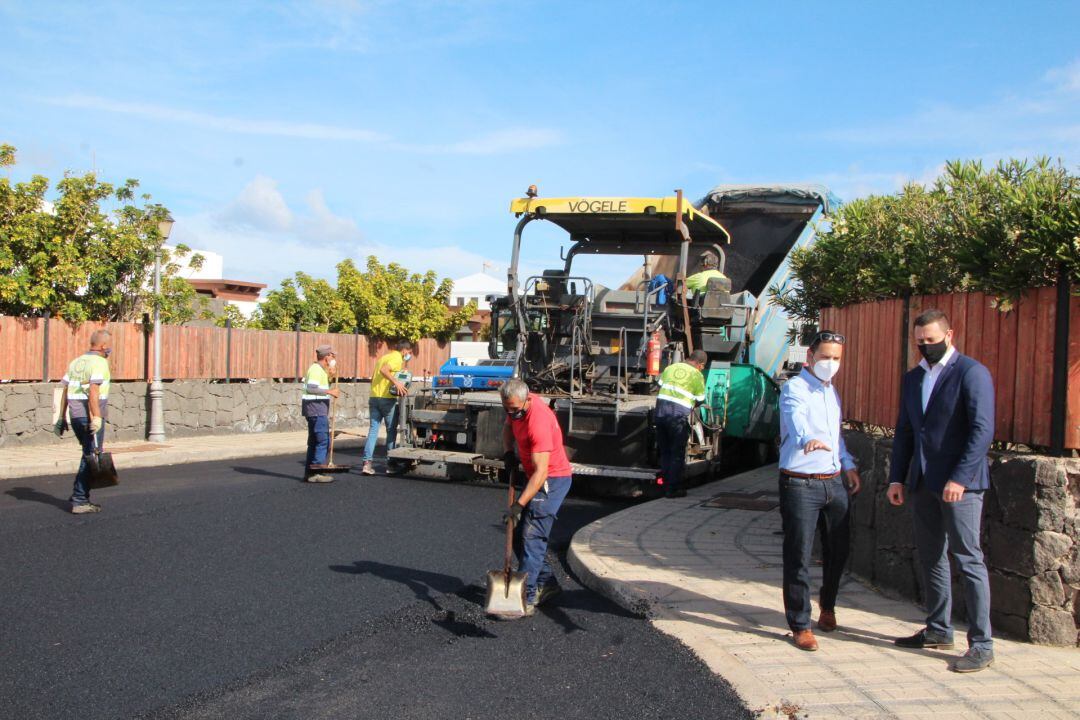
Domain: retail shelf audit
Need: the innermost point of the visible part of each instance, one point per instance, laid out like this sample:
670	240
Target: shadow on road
32	495
424	583
268	473
427	586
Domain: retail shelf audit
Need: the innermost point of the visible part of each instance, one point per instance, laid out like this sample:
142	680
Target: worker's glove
510	460
513	513
60	427
95	424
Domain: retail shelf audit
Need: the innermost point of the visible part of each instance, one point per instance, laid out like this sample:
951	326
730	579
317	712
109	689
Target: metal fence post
1058	404
228	350
45	348
297	351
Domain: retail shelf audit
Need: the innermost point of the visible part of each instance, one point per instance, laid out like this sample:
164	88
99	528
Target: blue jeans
531	535
803	502
80	494
382	410
941	528
318	440
671	436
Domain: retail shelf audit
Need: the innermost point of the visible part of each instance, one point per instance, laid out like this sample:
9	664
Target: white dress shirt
930	380
932	375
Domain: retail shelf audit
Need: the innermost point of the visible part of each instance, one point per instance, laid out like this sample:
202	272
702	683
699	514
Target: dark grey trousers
942	528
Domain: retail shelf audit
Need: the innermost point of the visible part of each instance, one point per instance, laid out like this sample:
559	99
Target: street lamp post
157	412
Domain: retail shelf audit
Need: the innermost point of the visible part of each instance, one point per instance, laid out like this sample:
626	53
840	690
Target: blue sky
289	135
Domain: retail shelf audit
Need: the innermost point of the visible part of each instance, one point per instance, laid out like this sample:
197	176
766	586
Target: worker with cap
315	405
709	270
86	398
682	387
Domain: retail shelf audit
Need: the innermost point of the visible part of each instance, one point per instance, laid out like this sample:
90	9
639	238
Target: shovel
102	471
505	589
330	467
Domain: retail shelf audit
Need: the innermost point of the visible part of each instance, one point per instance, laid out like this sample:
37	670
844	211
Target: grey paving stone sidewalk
711	578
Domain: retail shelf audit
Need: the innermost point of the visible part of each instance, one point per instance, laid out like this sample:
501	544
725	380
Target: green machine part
743	400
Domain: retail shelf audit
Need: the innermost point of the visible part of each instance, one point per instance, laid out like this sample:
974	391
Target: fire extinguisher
652	362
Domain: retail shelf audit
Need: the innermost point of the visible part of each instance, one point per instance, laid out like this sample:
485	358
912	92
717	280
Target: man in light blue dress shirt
816	475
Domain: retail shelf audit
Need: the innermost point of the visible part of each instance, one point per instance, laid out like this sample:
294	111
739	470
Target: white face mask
333	363
407	357
826	369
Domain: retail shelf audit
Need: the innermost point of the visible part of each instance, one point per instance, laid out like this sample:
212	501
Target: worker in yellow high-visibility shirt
86	396
315	405
386	388
709	269
682	388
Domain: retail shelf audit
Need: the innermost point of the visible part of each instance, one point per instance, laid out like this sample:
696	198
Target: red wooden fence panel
1072	403
1016	346
192	352
263	354
21	348
128	359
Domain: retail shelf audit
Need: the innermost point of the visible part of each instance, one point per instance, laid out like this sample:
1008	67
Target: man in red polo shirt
532	424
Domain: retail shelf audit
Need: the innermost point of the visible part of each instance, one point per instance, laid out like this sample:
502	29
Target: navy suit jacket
953	435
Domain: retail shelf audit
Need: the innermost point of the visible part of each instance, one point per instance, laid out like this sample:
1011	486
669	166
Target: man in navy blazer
939	463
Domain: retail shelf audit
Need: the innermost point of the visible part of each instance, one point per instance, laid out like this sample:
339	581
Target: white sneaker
368	468
84	508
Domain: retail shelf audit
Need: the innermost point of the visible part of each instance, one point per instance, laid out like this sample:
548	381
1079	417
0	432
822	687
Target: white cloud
313	131
324	225
495	142
1066	78
1039	121
260	206
1043	117
262	239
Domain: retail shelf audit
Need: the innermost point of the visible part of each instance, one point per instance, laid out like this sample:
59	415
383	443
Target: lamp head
165	226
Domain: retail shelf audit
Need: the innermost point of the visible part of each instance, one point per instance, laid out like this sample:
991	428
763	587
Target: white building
208	281
476	287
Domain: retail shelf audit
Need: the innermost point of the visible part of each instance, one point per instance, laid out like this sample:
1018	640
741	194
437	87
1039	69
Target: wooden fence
36	349
1018	347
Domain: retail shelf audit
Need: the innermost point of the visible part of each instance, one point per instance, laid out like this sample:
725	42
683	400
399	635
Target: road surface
232	590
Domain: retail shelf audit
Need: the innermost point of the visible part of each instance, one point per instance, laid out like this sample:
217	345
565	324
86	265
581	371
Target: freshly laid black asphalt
232	590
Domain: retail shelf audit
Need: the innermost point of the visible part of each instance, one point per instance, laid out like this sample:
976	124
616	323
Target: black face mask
933	352
518	414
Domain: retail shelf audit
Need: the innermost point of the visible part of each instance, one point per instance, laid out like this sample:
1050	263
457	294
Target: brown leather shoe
805	640
826	621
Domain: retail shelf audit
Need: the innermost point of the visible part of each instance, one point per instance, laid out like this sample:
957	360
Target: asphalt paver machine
595	353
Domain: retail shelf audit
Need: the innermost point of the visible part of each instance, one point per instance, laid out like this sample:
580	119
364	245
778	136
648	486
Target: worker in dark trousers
86	399
315	405
532	425
682	387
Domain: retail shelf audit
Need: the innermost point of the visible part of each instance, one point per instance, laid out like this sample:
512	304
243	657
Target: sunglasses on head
828	337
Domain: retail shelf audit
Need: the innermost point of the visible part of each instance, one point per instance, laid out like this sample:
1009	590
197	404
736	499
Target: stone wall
1031	537
191	407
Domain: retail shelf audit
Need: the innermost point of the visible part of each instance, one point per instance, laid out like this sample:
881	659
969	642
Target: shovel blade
502	600
331	468
102	471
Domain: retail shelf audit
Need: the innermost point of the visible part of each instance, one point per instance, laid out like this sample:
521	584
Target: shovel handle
333	417
509	528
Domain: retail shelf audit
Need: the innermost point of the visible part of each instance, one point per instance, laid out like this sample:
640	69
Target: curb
588	567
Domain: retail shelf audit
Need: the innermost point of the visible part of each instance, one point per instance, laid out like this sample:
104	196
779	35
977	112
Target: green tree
88	256
312	302
999	231
231	313
390	302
